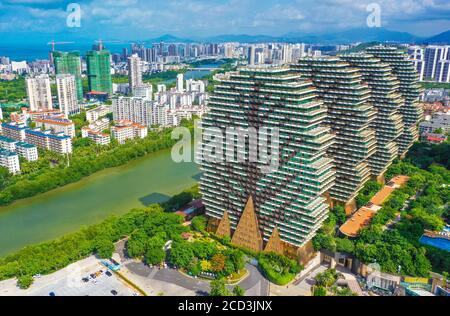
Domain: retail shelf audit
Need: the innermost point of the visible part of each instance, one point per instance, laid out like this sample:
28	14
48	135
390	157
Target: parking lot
69	282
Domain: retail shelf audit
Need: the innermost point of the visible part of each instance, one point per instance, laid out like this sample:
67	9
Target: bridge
202	69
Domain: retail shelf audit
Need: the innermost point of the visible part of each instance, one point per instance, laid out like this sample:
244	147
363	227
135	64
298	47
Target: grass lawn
237	276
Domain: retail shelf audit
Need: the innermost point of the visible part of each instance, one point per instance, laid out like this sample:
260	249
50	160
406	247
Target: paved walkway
351	281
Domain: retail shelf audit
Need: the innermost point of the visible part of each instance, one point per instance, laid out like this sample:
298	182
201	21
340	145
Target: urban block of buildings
436	128
439	121
167	108
95	132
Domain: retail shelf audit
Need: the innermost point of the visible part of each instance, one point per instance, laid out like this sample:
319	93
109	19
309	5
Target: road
254	284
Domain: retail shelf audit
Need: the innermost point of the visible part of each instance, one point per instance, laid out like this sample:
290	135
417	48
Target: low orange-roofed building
364	215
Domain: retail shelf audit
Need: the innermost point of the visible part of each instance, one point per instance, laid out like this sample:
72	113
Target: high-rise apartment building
180	83
416	54
137	110
251	55
99	71
257	208
39	93
67	94
409	89
69	63
385	97
342	120
437	63
350	115
431	62
134	72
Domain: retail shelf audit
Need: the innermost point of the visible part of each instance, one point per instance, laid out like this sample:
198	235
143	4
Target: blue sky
138	19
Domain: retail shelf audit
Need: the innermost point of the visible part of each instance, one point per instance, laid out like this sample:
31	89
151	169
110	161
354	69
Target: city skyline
200	19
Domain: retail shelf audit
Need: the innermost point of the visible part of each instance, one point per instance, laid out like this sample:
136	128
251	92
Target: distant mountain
242	38
343	37
375	34
168	38
442	38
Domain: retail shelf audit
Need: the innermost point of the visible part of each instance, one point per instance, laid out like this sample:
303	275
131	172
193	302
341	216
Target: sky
139	19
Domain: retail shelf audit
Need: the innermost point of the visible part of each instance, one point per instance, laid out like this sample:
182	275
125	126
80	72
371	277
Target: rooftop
55	121
14	125
7	153
7	139
359	220
364	215
25	145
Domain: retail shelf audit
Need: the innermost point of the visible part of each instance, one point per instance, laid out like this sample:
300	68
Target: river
114	191
196	74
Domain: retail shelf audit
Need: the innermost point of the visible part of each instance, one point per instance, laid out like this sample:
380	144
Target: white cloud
124	18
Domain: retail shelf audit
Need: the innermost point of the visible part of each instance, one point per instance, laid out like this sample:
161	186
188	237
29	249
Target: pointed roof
247	232
275	244
224	229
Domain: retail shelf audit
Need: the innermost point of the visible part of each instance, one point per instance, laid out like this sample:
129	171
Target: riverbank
85	161
99	239
153	178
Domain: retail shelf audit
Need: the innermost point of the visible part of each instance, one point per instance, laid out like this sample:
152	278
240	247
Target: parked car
114	292
52	294
108	273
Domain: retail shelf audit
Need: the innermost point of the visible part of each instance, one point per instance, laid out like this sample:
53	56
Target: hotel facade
342	121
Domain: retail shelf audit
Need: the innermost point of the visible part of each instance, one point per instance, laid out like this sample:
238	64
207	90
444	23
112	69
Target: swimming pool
440	243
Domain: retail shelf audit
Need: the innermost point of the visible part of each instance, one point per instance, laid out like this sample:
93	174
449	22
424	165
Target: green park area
423	204
12	90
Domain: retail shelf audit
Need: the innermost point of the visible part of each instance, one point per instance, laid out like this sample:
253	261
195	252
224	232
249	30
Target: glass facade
99	71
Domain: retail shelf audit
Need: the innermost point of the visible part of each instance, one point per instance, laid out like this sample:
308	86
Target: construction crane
53	43
100	43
